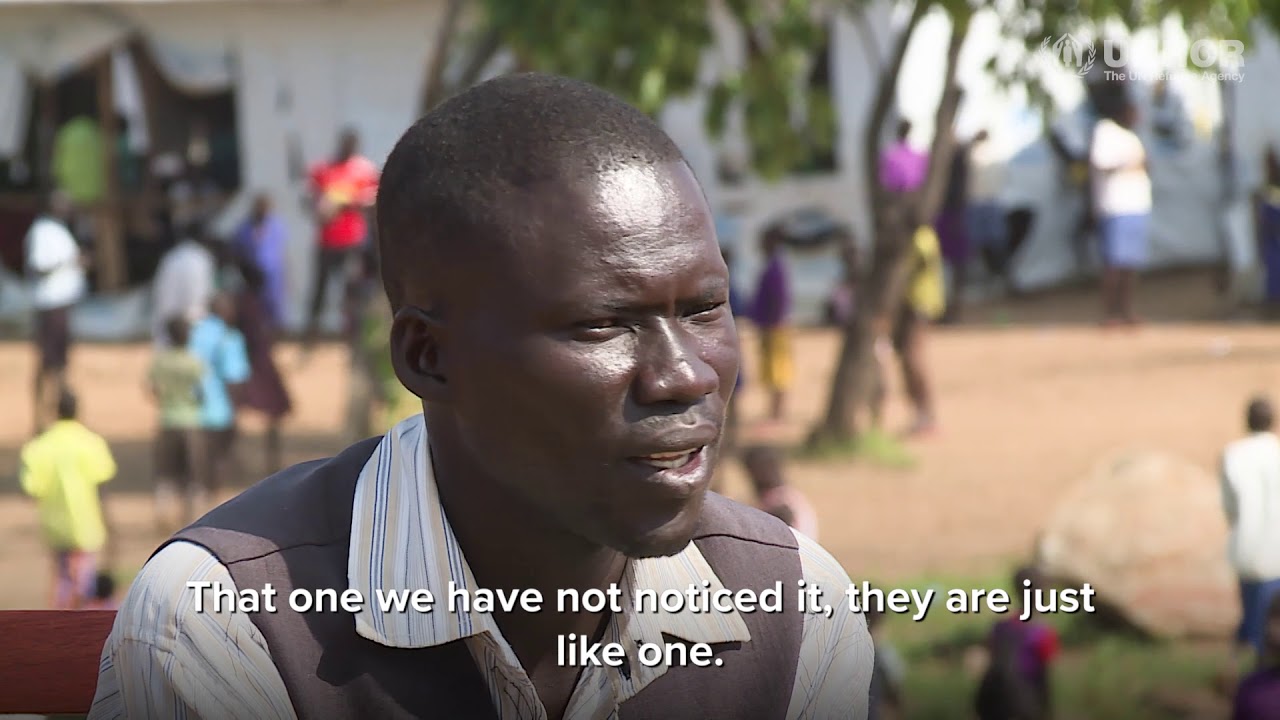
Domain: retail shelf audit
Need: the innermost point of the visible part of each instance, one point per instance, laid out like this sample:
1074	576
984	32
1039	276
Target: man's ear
417	353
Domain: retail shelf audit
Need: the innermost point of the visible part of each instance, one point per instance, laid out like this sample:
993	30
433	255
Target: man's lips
676	448
671	460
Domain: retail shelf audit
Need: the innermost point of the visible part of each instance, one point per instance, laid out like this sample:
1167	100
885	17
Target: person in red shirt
341	192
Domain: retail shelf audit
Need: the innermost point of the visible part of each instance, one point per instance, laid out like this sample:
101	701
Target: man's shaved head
561	309
464	175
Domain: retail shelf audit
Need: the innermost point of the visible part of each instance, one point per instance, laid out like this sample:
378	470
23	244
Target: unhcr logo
1216	59
1071	52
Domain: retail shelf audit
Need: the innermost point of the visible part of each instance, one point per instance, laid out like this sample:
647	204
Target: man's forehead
617	211
621	228
633	197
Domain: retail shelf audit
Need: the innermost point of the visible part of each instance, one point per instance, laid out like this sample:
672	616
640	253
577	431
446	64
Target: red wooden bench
49	659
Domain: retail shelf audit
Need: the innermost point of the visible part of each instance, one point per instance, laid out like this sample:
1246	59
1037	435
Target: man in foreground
561	307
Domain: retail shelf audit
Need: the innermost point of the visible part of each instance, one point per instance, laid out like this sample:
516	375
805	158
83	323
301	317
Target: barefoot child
774	495
62	470
180	462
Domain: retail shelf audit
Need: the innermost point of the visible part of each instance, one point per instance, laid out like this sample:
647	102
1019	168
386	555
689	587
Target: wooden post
110	231
46	130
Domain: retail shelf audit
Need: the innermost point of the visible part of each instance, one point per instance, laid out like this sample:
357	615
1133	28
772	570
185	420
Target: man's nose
672	368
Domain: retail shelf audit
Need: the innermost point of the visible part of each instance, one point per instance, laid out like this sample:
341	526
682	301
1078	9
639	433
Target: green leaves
646	52
1028	22
652	53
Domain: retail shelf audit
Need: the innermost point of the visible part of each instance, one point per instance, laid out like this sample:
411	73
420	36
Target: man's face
591	369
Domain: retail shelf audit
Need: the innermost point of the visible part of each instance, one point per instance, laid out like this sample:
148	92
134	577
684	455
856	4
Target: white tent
301	72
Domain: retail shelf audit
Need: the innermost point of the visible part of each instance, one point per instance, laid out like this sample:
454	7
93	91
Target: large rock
1147	531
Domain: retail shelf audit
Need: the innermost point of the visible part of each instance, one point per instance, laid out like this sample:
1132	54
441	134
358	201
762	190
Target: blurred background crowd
1004	276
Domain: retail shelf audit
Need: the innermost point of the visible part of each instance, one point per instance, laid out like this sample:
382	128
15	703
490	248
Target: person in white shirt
1251	500
184	284
1122	206
57	270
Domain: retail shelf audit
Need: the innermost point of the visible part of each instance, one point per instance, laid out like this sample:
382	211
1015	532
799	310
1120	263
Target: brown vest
293	530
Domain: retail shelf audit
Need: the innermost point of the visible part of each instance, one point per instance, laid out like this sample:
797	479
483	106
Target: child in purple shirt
1258	696
902	167
771	310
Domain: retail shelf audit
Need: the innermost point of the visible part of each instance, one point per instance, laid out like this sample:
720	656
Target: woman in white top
1122	204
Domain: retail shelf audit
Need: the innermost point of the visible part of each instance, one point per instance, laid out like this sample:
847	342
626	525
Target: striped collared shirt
164	659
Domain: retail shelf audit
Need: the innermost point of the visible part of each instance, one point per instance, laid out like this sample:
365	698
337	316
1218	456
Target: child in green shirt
175	378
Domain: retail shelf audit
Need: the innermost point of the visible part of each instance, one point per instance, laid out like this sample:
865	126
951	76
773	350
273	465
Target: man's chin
669	539
656	547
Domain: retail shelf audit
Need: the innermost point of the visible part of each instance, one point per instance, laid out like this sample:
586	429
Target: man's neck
530	552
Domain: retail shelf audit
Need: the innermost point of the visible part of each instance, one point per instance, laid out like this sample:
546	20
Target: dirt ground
1031	394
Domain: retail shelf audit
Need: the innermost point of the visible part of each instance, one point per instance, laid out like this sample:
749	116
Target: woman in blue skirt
1122	203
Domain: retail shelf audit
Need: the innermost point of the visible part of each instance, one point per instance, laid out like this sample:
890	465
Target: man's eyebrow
711	291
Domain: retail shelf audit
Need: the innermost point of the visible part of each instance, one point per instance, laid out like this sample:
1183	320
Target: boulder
1147	531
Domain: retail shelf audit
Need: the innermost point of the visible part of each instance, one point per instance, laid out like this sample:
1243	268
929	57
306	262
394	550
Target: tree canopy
653	52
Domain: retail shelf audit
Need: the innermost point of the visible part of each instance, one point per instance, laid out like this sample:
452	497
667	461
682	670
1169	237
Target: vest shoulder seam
259	556
754	541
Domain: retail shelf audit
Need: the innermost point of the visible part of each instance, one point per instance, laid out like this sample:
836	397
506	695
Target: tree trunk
895	218
1226	280
435	90
108	232
367	389
433	84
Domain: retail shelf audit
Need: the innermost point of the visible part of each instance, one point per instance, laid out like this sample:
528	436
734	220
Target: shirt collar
401	541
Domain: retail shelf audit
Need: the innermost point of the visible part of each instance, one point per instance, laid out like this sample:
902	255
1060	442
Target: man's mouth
670	460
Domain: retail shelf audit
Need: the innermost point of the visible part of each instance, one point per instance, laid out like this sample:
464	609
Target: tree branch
432	87
869	45
944	140
482	52
886	93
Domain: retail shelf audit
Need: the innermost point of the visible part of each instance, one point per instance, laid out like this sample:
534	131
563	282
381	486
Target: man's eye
709	310
598	329
598	325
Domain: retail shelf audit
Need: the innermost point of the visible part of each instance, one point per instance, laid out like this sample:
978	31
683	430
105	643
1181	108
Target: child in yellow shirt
62	470
923	303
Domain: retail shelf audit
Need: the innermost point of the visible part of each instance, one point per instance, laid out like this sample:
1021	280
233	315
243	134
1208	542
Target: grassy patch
1102	673
872	446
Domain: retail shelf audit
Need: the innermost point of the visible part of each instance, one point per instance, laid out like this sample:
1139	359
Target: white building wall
362	63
